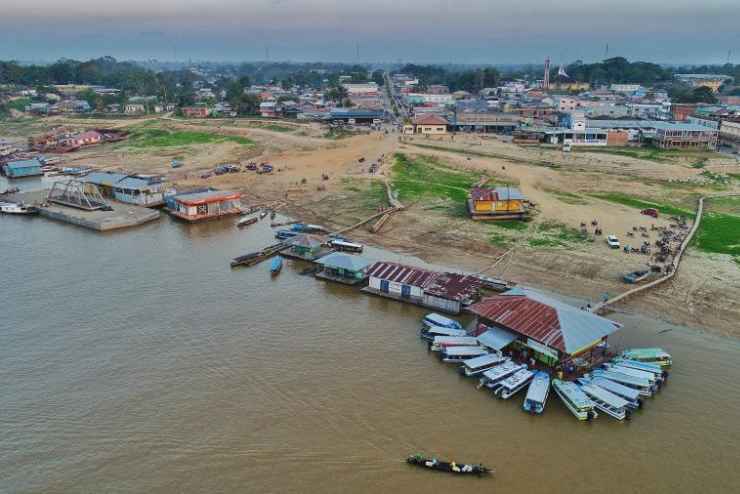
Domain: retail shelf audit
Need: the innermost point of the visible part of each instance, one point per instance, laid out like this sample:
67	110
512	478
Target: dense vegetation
466	80
420	177
148	138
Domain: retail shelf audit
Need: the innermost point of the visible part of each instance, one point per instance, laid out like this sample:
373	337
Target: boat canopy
439	320
573	393
496	338
538	389
455	340
463	351
622	378
519	377
648	354
437	330
502	370
482	361
604	396
616	388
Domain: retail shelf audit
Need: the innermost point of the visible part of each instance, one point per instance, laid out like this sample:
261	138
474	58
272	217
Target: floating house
496	203
552	332
306	247
204	205
448	292
141	190
22	168
343	268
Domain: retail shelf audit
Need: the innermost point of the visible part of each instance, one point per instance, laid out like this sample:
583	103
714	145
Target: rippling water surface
138	361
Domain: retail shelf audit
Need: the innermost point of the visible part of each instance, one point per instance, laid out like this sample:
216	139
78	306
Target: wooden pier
259	256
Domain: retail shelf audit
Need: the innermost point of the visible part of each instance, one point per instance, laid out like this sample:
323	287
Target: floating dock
121	216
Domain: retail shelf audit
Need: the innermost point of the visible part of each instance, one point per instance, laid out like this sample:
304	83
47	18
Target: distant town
611	103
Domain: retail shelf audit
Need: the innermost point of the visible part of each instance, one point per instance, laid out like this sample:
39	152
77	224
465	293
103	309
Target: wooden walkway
601	307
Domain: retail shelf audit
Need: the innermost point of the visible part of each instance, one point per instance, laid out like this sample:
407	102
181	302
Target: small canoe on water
246	222
449	467
276	265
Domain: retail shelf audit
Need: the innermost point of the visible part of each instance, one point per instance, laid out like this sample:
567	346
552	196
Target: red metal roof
524	316
452	286
430	120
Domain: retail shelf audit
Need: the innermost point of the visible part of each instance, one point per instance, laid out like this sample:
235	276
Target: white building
624	88
361	89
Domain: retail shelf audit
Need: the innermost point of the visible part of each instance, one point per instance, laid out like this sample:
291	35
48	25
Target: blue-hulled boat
276	265
537	393
285	234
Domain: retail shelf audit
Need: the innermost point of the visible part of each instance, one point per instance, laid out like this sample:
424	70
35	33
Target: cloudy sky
463	31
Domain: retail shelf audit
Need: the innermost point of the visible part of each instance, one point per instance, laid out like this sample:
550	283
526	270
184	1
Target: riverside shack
306	247
204	205
343	268
554	333
496	203
22	168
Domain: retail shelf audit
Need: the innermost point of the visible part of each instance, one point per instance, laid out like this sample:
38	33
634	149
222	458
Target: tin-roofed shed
343	268
22	168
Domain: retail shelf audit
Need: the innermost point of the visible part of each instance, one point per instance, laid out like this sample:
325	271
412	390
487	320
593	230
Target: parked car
650	212
612	241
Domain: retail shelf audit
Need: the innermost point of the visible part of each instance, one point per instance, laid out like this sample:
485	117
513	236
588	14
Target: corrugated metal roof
496	338
344	261
206	196
32	163
546	320
121	180
305	240
452	286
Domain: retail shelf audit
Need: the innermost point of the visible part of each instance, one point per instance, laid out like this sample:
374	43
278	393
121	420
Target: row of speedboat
616	388
503	377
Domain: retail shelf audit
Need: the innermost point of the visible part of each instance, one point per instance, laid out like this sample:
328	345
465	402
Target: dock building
204	205
142	190
22	168
551	331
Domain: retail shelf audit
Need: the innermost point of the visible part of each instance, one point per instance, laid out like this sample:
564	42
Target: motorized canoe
449	467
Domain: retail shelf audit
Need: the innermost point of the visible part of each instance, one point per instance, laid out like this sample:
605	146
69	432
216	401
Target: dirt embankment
324	181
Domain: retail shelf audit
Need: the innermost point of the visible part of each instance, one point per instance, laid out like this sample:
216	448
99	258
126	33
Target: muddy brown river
138	361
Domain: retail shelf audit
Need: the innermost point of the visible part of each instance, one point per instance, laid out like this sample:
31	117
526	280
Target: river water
138	361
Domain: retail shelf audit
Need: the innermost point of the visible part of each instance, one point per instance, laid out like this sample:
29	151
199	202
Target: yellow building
503	202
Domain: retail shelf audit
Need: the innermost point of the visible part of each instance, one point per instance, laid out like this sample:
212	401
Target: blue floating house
22	168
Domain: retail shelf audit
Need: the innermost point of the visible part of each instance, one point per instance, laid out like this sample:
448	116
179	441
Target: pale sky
424	31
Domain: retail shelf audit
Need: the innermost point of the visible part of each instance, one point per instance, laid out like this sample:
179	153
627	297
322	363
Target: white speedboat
537	394
478	365
640	384
492	378
428	333
632	396
649	355
643	366
440	342
15	208
655	380
607	402
434	319
514	383
575	399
